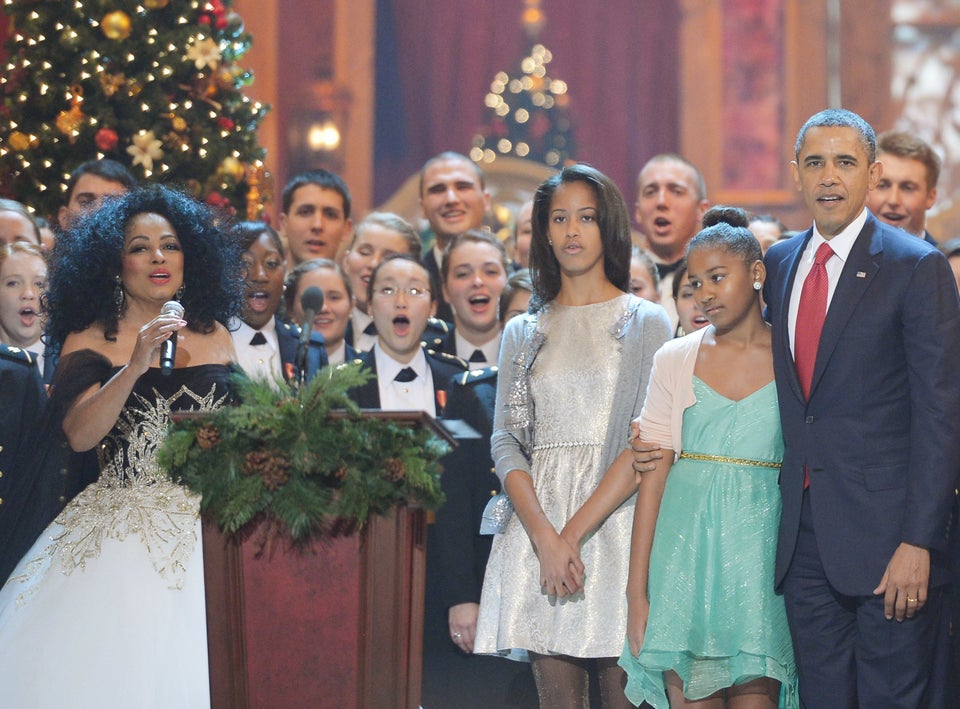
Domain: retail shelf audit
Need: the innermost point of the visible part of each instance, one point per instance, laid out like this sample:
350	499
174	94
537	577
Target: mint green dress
714	616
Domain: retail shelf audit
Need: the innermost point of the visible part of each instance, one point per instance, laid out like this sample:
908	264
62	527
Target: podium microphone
311	302
168	348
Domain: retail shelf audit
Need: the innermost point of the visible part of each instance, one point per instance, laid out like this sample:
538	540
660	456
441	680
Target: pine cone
341	473
395	469
272	466
207	437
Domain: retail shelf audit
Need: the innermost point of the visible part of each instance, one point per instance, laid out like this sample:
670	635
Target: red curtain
435	62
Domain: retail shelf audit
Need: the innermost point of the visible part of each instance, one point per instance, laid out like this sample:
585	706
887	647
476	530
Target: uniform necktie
478	356
370	329
258	339
405	375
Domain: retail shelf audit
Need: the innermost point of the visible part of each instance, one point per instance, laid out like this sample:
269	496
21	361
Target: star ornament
204	53
145	149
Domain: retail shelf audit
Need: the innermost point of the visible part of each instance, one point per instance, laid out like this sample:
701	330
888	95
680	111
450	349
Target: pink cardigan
670	391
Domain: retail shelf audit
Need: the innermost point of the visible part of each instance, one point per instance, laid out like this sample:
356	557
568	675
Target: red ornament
204	20
215	199
221	23
106	139
225	123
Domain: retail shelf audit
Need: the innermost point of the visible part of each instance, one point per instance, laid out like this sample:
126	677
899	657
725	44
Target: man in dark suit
406	375
22	399
866	338
457	555
39	473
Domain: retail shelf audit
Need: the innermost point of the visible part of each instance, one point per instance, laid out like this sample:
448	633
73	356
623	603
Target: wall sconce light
317	132
323	136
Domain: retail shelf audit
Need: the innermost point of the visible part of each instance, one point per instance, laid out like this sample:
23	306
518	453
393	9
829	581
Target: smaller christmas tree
153	84
527	114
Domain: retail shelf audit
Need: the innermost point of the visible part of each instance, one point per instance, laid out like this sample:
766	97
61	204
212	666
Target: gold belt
732	461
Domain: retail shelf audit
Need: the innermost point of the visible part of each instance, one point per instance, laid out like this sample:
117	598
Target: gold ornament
206	87
116	25
178	123
232	167
224	78
68	122
111	83
18	141
155	4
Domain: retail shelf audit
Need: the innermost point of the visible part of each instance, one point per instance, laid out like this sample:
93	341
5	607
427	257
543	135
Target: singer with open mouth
112	593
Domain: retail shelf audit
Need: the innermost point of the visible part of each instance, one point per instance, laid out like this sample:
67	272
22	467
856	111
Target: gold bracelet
731	461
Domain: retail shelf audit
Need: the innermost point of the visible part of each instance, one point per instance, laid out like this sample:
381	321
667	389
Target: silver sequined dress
572	384
107	608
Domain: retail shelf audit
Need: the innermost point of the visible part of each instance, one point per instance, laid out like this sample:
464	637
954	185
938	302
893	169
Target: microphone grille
312	299
172	307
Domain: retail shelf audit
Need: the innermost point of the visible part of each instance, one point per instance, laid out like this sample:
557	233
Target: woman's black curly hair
87	260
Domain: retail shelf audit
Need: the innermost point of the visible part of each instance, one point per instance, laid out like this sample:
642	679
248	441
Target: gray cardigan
641	329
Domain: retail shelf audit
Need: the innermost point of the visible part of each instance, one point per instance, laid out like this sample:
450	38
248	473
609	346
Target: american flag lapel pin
861	274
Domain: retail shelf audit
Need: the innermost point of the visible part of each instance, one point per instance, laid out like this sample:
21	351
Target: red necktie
810	315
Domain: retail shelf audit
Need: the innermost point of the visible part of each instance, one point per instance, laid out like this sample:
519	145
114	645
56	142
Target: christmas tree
153	84
527	111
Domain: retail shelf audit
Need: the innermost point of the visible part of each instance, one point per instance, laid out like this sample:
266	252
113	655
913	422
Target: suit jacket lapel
861	267
785	291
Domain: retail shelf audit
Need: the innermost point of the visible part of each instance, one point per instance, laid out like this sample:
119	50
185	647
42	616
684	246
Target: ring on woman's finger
457	636
912	600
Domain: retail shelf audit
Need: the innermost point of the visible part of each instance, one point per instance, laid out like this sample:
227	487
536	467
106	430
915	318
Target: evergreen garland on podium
153	84
303	460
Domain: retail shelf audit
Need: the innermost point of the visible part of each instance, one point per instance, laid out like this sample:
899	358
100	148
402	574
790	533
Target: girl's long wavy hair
612	219
87	260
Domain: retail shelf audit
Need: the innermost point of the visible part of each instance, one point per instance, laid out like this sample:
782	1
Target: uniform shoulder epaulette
453	359
438	325
16	354
478	375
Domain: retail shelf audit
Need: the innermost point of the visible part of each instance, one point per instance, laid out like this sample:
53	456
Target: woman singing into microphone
110	598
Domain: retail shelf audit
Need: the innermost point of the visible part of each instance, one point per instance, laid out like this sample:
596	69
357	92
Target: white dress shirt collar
416	395
465	348
362	342
258	361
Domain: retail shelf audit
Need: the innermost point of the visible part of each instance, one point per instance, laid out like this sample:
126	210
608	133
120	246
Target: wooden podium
336	624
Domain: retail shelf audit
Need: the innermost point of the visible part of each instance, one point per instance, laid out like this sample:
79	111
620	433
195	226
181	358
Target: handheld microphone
168	348
311	302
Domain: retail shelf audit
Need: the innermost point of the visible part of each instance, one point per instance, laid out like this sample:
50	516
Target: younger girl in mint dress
703	613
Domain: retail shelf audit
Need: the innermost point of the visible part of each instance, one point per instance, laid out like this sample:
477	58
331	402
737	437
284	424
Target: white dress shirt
336	356
258	361
362	342
465	348
416	395
841	244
